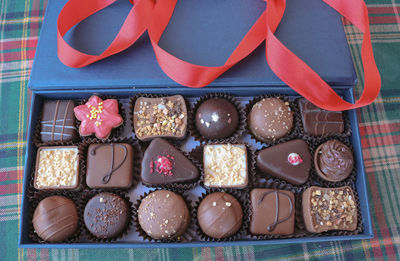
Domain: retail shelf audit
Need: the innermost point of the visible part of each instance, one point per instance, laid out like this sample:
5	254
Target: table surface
379	123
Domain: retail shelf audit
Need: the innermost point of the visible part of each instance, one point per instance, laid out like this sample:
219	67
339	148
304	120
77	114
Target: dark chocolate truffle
163	214
160	117
329	209
106	215
58	121
216	118
220	215
55	219
270	119
109	165
333	161
319	122
290	161
273	212
163	163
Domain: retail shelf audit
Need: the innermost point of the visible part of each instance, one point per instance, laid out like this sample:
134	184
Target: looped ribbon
154	16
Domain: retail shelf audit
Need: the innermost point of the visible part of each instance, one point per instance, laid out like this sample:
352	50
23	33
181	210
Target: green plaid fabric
20	22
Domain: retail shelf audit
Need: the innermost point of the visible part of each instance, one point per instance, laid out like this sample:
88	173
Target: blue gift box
202	32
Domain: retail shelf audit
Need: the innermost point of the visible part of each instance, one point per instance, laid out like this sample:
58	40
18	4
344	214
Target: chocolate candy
220	215
216	118
55	219
270	119
163	163
333	161
273	212
109	165
106	215
163	214
225	165
98	117
160	117
290	161
319	122
58	121
329	209
57	167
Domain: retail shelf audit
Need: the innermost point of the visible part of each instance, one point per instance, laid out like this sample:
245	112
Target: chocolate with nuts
163	214
327	209
106	215
57	167
270	119
225	165
160	117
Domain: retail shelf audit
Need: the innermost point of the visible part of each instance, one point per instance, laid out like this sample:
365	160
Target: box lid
202	32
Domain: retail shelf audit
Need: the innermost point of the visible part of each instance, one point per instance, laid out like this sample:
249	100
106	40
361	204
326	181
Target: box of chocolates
118	155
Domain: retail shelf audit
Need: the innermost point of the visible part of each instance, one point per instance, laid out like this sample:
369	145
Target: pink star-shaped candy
98	117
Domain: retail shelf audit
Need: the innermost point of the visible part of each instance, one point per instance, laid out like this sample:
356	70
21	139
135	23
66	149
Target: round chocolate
270	119
106	215
163	214
217	118
333	161
55	219
220	215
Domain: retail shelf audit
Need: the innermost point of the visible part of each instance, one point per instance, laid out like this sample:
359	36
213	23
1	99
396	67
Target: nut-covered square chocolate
109	165
273	212
160	117
57	167
329	209
319	122
58	121
225	165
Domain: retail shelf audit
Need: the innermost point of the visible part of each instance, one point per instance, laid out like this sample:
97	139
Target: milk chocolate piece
273	212
217	118
220	215
106	215
55	219
160	117
329	209
109	165
58	121
163	163
270	119
290	161
225	165
319	122
57	167
333	161
163	214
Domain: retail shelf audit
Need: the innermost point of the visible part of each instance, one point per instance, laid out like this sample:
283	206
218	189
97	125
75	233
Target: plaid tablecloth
20	22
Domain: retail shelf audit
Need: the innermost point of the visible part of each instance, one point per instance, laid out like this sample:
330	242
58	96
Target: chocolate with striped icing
319	122
58	121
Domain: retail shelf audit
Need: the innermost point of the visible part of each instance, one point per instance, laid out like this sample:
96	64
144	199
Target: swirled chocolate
333	161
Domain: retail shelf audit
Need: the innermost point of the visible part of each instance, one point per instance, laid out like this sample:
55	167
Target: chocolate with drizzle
109	165
319	122
264	220
58	121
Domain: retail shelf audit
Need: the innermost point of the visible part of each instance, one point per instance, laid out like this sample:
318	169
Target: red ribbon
154	17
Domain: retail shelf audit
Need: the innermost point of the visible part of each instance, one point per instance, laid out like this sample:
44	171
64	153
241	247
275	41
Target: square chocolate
160	117
109	165
57	167
58	121
273	212
225	165
319	122
327	209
